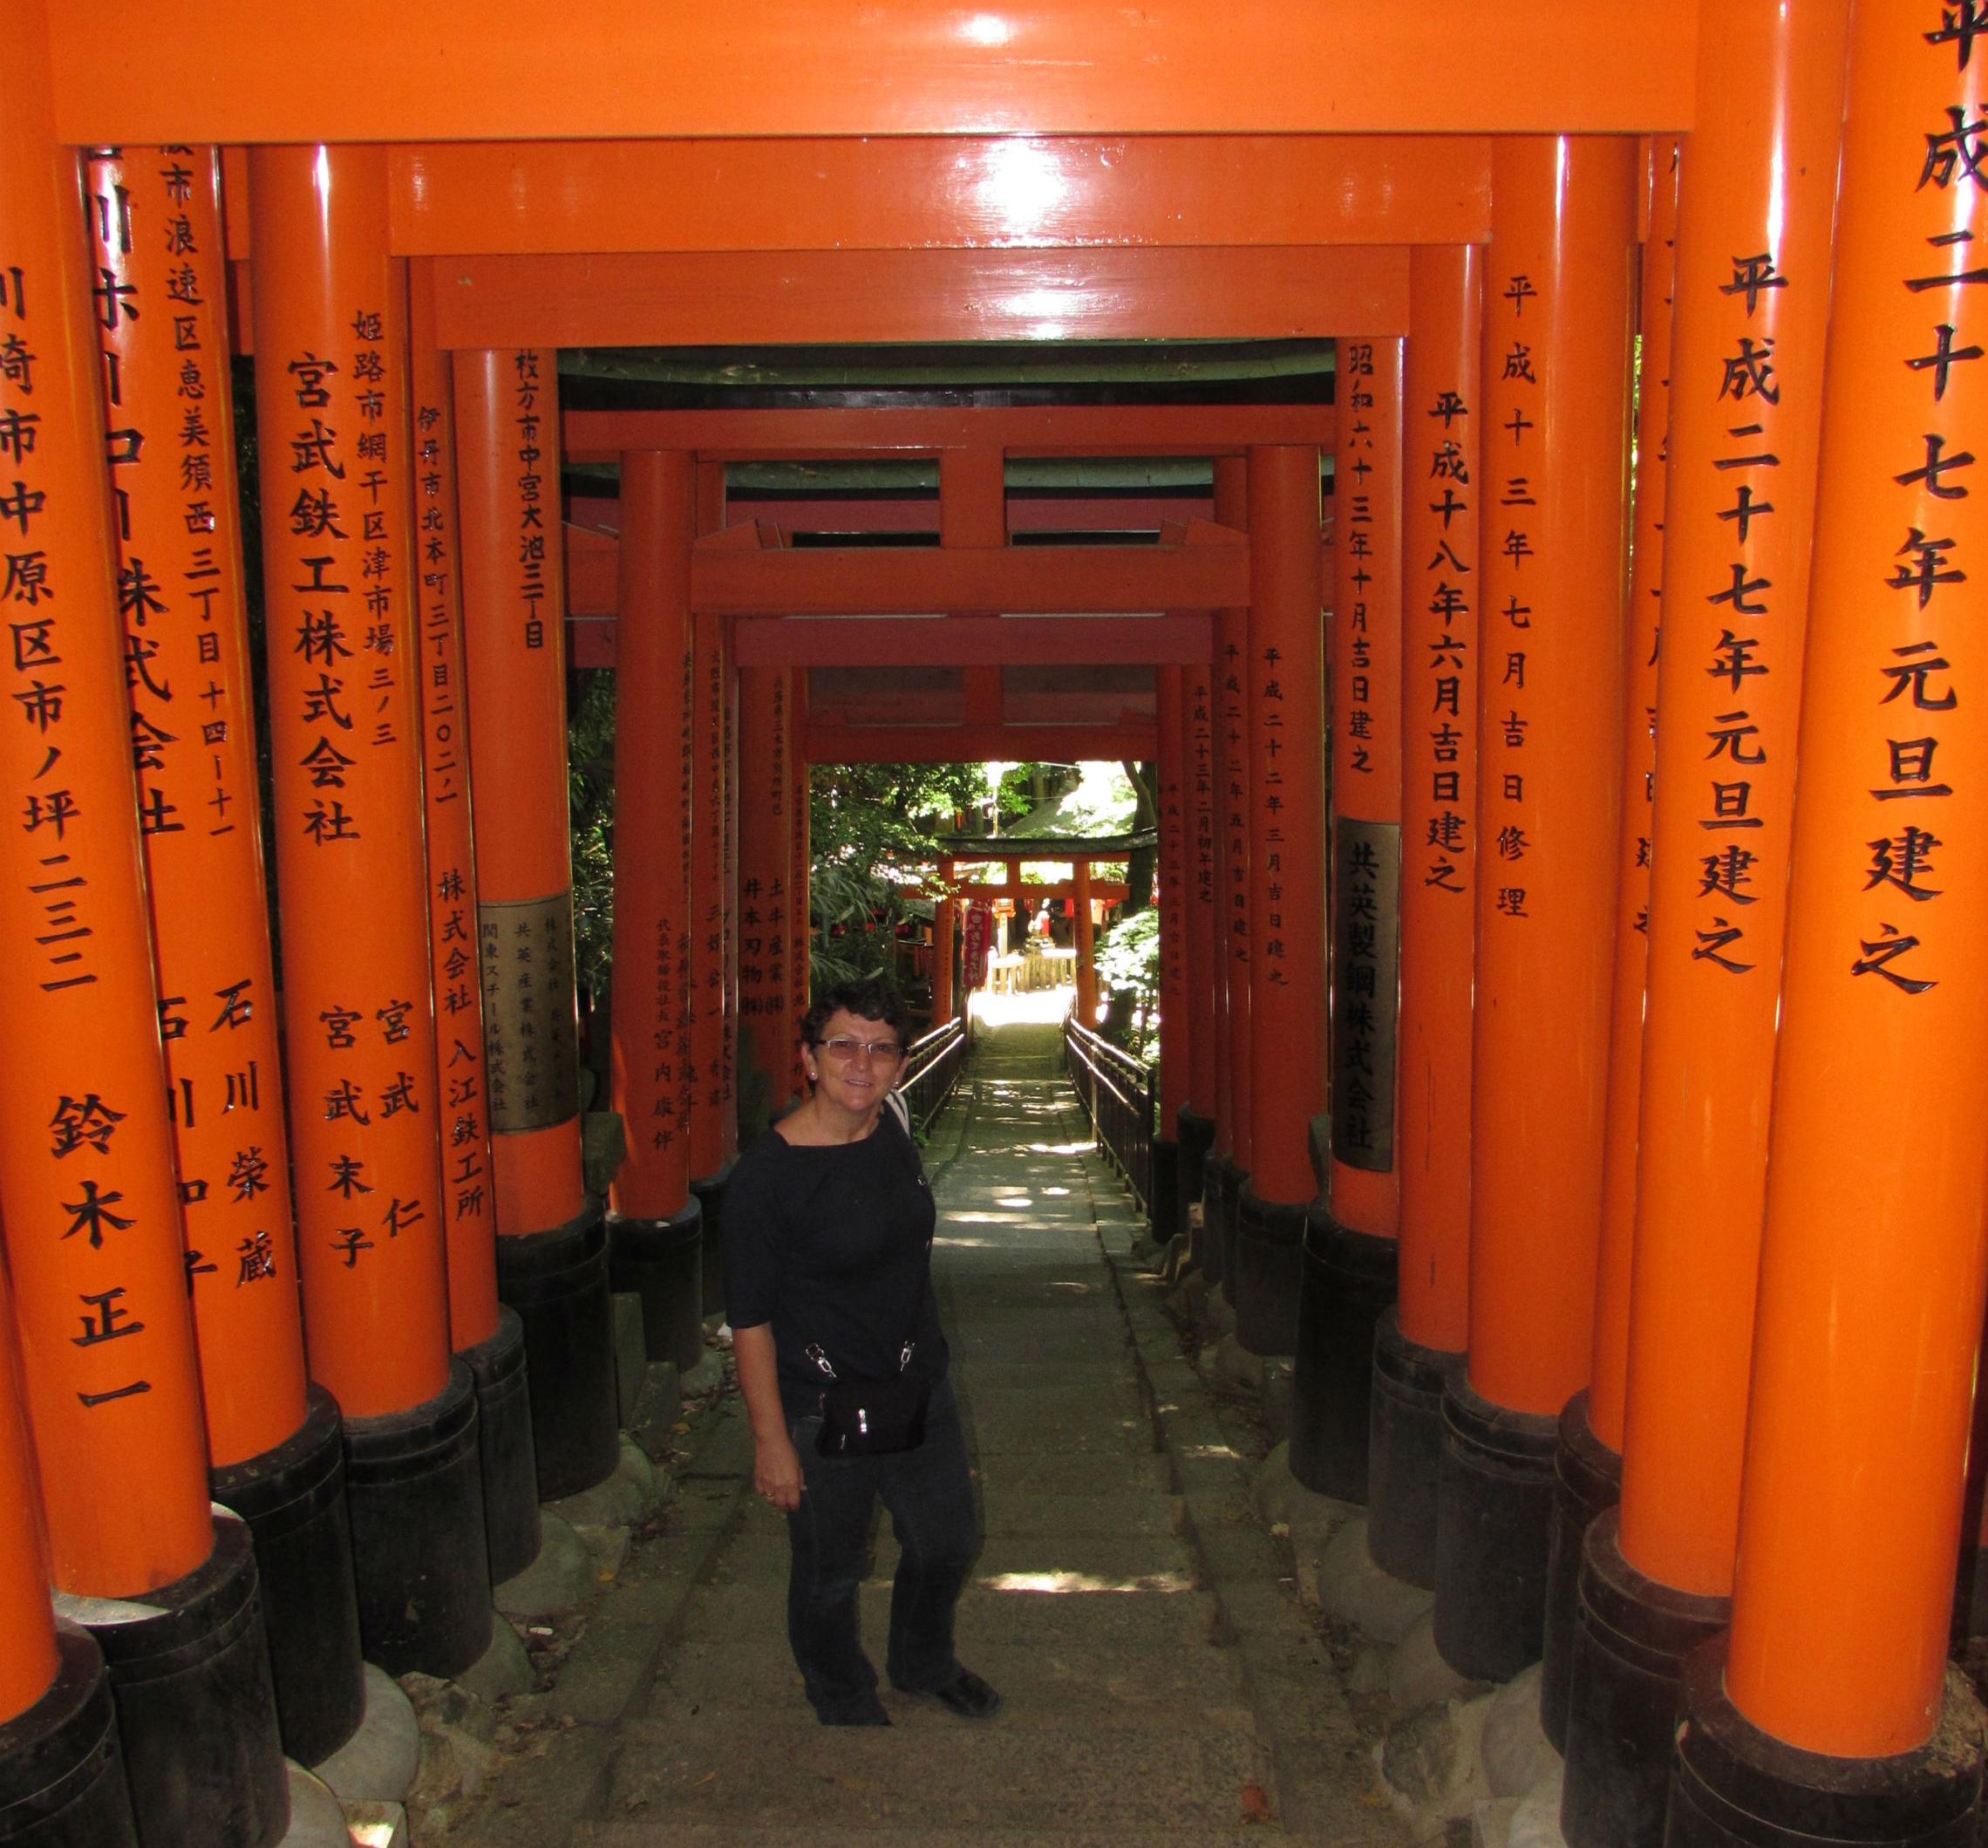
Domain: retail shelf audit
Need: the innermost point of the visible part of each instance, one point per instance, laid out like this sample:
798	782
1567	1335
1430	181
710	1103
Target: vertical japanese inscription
155	225
531	1053
1365	962
1440	753
1514	457
338	499
765	844
464	1122
1916	798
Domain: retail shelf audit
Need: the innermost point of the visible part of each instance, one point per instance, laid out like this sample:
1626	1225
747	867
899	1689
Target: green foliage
871	828
866	814
590	787
1128	964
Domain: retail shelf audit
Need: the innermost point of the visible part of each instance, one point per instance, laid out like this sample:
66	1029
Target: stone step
887	1833
929	1772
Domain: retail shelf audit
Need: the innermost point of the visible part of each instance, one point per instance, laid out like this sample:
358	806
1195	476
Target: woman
828	1228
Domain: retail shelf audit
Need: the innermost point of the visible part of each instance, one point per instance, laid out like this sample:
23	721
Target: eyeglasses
845	1051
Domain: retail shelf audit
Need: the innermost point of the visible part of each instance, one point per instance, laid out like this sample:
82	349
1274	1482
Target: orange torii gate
1086	171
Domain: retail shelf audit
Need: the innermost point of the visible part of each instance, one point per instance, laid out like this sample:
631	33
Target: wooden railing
935	1061
1116	1091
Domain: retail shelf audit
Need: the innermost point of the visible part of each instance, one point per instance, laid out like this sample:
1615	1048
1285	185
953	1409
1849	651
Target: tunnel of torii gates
1626	1222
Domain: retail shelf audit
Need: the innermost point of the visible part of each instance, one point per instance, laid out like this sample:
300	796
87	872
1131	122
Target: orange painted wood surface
1366	693
1029	430
650	1055
470	1214
93	1219
340	571
1443	414
958	641
29	1662
507	405
1872	1262
1608	1383
1557	322
465	70
1284	745
1746	380
156	232
517	198
701	299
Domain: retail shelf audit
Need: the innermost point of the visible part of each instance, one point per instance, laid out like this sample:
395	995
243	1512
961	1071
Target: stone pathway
1093	1607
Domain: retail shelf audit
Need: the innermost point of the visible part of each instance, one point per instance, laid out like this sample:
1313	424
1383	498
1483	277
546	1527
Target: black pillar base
62	1782
1494	1527
1627	1666
1405	1451
1163	1210
557	1281
1348	1284
1196	1137
504	1454
709	1193
1970	1590
189	1672
1587	1479
1212	1253
1270	1261
293	1498
1233	1183
414	1485
662	1260
1731	1784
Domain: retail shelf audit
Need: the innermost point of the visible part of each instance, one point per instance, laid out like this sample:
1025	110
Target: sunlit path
1125	1719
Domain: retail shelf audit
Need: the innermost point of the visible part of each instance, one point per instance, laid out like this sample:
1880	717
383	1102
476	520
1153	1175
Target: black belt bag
873	1417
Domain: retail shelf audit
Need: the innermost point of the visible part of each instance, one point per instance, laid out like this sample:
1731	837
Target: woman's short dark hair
875	997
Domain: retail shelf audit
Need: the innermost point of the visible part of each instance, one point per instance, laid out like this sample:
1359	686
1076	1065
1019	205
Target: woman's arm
776	1464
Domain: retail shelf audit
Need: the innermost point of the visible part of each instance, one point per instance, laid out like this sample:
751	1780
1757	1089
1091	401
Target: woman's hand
776	1464
776	1472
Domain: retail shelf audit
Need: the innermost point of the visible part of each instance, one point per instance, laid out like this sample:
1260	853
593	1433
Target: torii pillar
1166	1208
1757	181
801	921
275	1442
1284	744
1084	934
1420	1343
1832	1709
713	1124
766	847
656	1224
1196	1119
1556	355
57	1716
945	922
92	1217
1588	1462
551	1239
1234	1145
340	568
489	1334
1350	1255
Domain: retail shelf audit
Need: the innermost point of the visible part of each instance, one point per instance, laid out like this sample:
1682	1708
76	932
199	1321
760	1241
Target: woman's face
853	1080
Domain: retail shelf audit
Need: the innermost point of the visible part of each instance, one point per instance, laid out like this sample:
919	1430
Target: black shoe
873	1714
970	1697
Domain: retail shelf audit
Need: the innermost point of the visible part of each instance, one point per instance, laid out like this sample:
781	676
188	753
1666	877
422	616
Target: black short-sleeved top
831	1246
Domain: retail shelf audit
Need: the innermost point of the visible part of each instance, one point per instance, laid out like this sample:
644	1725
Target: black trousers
929	1495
